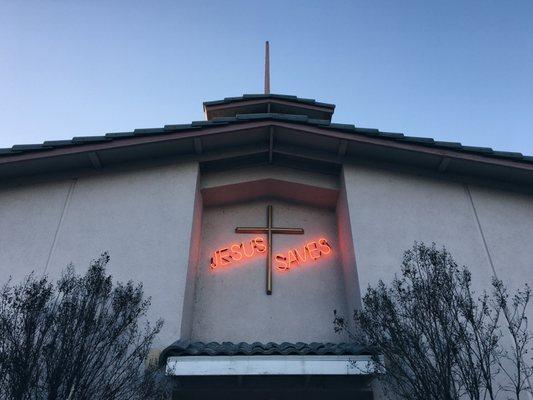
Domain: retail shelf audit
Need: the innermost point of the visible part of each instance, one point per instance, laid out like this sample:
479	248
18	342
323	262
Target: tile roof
185	348
228	100
243	118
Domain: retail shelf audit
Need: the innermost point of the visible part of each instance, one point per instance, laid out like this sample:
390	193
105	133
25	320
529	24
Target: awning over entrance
183	348
269	371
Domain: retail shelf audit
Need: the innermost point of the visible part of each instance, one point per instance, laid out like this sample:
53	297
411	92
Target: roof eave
344	143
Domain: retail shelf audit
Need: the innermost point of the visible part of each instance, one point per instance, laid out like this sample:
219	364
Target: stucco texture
389	211
29	219
142	217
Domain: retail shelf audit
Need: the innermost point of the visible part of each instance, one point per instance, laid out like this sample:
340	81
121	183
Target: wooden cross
269	230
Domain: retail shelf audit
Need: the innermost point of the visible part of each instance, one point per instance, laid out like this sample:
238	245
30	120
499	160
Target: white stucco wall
352	286
389	211
506	220
488	230
143	216
29	218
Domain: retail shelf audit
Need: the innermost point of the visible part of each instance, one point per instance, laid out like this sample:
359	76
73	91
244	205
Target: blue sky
452	70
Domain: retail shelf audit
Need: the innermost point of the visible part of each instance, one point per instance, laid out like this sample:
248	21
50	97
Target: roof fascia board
133	141
270	365
329	132
218	107
357	137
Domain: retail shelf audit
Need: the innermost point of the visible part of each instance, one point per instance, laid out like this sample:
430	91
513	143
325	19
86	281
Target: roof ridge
244	97
240	118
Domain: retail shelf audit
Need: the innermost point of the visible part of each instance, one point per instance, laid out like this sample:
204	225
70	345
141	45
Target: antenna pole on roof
267	68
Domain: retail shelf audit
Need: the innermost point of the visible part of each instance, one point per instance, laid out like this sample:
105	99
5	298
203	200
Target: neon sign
236	252
312	251
269	230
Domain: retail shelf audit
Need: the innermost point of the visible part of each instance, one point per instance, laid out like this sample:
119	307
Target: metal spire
267	68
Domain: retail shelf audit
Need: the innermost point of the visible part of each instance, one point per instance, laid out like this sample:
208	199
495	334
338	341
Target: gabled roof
80	141
266	138
286	97
268	103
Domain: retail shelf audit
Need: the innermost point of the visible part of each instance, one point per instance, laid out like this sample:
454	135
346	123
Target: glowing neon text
311	251
237	251
230	254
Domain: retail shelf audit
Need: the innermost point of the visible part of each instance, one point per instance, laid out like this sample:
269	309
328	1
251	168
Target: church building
248	229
